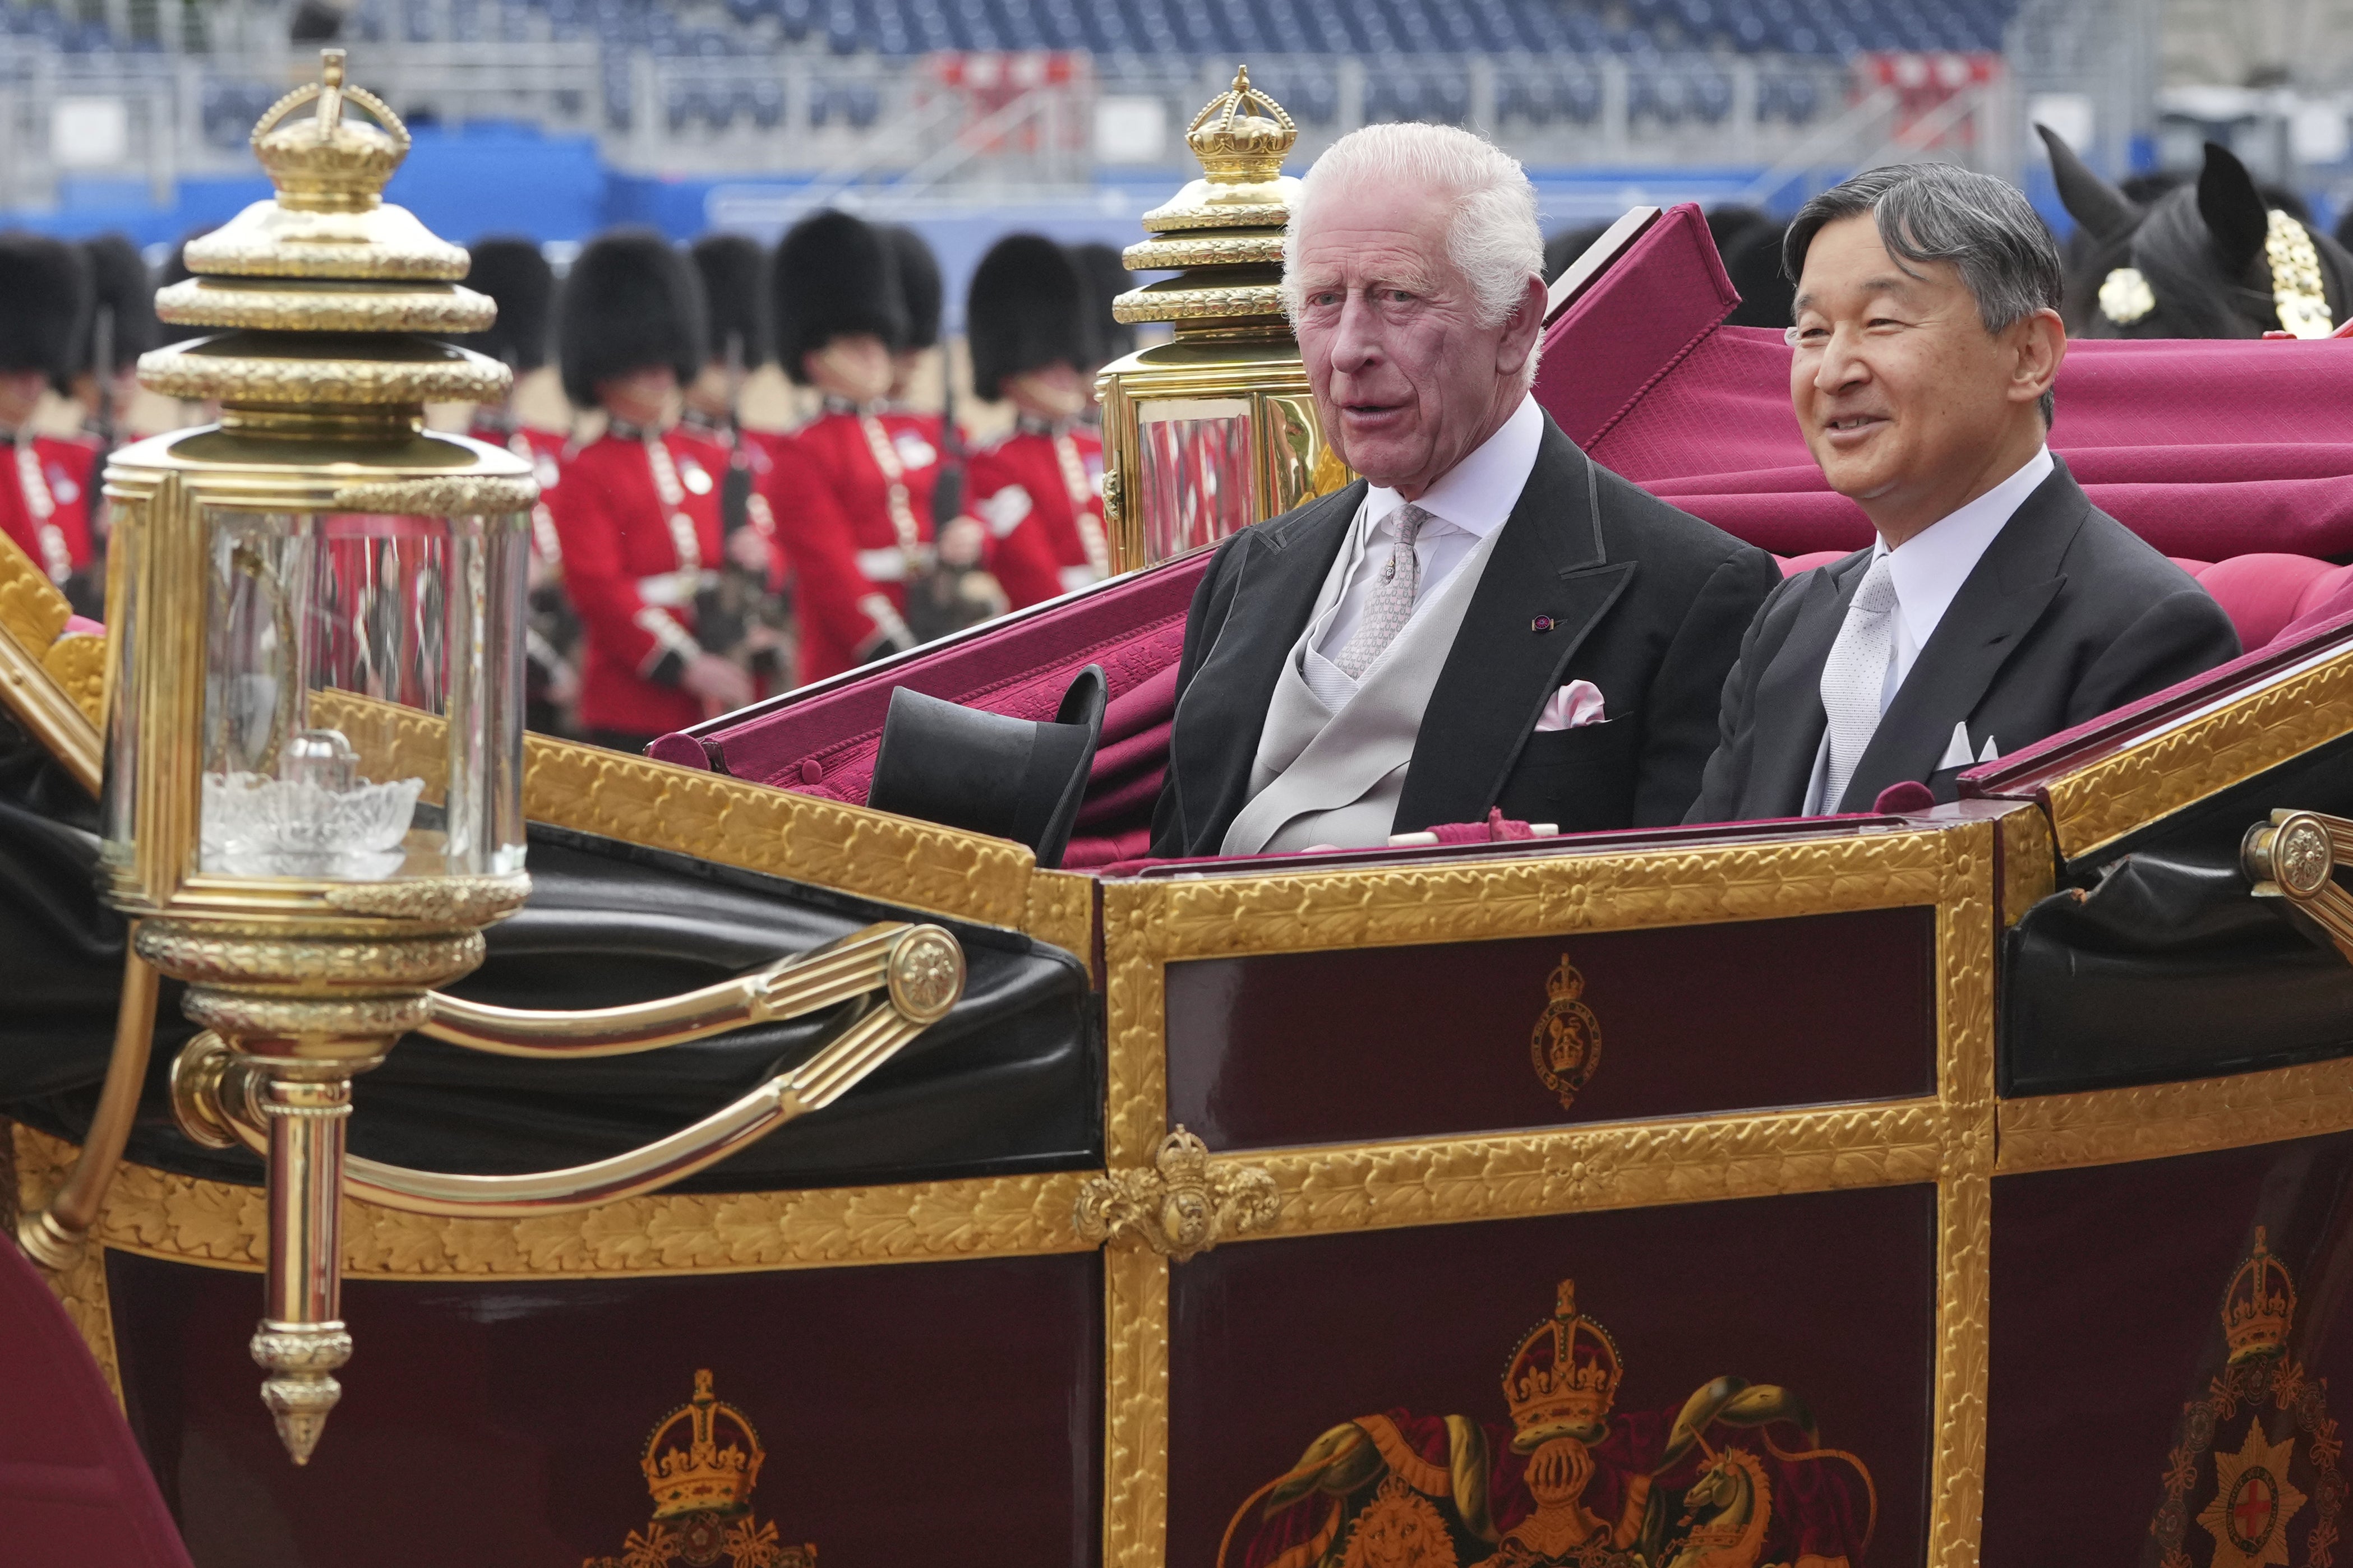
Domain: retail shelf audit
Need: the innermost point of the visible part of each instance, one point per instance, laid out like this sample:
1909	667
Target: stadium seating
1546	53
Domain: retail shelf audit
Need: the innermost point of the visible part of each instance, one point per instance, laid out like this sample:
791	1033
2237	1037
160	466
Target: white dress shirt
1469	502
1928	571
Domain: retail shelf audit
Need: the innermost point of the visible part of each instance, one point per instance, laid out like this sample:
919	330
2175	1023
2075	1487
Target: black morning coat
1592	579
2067	615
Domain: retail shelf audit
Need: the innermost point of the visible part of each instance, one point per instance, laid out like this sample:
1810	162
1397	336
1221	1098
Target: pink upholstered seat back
2206	448
823	742
73	1487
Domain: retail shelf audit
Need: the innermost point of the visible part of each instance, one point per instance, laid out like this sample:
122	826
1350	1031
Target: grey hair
1495	241
1935	212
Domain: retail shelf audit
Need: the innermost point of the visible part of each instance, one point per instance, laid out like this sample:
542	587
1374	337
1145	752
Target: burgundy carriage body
1944	1187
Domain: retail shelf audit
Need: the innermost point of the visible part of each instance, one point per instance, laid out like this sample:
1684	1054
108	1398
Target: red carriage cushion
73	1487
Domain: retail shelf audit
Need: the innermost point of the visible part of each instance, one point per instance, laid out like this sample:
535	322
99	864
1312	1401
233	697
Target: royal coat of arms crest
701	1465
1729	1480
1566	1045
2254	1479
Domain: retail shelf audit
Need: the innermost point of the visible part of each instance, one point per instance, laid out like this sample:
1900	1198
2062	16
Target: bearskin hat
1028	309
835	277
630	302
919	285
44	296
1107	279
518	281
732	299
125	295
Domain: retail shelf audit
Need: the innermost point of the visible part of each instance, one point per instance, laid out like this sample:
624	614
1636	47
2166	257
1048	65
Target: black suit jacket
2066	615
1644	601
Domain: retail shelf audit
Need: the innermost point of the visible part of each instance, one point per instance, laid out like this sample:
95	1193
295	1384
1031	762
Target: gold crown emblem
702	1476
1563	1375
1567	984
2260	1306
1241	136
330	163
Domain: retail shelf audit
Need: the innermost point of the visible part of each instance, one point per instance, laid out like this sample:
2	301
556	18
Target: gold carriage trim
2202	754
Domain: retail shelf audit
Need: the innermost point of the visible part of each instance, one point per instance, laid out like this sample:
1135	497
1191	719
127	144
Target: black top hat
519	281
733	301
919	285
1009	778
1028	309
630	302
1107	279
44	301
125	295
835	277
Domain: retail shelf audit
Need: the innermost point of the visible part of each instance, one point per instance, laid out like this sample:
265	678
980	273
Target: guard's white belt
888	566
671	590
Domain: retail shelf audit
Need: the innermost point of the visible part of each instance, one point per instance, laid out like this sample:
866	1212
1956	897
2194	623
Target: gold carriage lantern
312	799
1214	430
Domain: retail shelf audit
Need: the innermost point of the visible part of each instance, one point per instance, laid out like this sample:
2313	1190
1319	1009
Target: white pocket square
1957	750
1573	706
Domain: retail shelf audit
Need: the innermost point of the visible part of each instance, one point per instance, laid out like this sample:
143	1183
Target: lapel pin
1541	623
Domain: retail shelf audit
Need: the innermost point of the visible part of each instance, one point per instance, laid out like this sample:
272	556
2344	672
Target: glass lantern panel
332	640
1194	463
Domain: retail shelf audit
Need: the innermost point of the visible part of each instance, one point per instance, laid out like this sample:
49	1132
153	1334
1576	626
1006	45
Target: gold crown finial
330	163
1241	136
2259	1309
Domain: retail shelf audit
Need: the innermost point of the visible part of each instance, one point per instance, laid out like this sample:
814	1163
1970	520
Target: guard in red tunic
638	514
44	492
1038	488
751	625
852	490
517	279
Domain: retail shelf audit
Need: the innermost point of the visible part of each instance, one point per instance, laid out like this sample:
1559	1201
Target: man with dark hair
1038	487
638	514
45	490
1998	606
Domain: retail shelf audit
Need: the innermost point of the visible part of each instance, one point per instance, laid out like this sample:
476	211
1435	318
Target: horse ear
2232	208
2105	211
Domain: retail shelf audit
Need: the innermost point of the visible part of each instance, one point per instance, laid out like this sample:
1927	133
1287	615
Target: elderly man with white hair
1486	618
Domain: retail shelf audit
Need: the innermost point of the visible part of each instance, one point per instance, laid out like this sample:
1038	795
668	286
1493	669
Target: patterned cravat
1391	605
1855	675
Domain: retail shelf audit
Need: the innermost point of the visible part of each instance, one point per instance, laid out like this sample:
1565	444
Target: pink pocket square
1573	706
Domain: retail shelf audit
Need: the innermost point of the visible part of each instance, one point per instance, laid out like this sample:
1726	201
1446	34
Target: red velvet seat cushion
73	1487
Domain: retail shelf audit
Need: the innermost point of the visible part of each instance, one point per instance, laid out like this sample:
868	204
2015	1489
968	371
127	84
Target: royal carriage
1950	1183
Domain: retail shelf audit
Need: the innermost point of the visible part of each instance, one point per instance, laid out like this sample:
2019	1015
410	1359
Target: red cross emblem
2253	1502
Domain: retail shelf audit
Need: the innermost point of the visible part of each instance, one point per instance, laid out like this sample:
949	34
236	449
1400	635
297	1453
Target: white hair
1495	241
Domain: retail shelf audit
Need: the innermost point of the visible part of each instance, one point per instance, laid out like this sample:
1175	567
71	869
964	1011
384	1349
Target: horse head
2197	261
1726	1511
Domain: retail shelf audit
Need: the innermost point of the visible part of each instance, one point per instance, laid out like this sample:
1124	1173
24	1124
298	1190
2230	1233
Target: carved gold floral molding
159	1215
2202	754
2159	1120
41	1166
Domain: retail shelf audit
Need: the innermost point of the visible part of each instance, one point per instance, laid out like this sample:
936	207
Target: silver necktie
1391	605
1855	675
